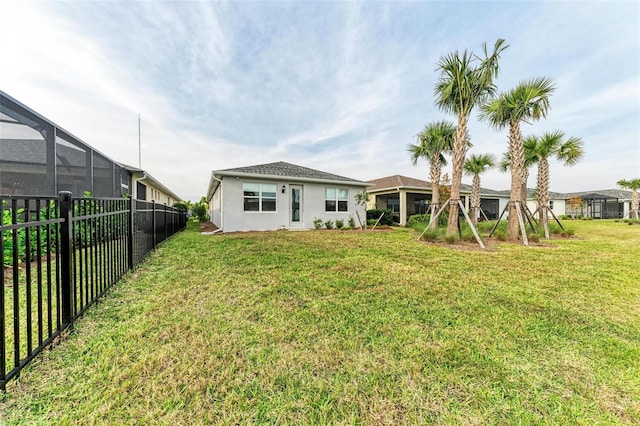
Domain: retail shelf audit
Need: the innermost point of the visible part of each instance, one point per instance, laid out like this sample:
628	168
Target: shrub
200	211
500	235
415	219
486	226
430	234
554	229
533	238
317	223
387	218
328	224
467	235
339	223
451	238
352	222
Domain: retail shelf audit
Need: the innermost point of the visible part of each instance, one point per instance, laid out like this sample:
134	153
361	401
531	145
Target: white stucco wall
559	206
232	217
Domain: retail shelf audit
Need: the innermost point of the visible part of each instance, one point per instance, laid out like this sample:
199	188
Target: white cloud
341	87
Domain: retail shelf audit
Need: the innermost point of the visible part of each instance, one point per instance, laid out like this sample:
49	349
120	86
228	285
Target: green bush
352	222
317	223
200	211
487	226
387	218
47	212
328	224
339	223
451	238
500	235
415	219
430	234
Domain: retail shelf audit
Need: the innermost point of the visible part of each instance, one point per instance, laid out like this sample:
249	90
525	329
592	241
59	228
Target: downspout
144	176
213	176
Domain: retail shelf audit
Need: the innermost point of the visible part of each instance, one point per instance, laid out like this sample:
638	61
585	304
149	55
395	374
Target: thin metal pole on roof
139	146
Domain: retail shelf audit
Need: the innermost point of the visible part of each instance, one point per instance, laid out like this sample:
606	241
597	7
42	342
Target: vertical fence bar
16	285
164	227
3	366
130	243
153	223
39	269
27	264
66	243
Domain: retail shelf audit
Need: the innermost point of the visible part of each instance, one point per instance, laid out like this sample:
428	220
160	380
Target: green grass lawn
334	327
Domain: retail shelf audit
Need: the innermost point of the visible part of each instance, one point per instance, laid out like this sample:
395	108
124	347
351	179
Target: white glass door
296	205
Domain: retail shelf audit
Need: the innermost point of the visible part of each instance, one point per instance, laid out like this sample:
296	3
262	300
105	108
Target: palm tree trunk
525	179
434	175
459	152
516	153
635	201
543	187
475	199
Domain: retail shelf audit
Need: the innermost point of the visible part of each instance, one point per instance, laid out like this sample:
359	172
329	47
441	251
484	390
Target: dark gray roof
605	194
285	170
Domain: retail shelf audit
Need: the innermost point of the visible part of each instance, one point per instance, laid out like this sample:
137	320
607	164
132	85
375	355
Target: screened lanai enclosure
39	158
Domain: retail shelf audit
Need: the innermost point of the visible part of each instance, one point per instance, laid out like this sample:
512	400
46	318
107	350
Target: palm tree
475	165
463	84
529	160
528	101
634	185
435	140
551	144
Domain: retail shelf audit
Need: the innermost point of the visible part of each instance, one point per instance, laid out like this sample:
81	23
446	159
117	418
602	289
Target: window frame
260	197
336	199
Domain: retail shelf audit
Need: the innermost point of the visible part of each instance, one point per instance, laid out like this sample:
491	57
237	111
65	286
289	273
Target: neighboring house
280	195
406	196
38	157
557	202
603	204
146	187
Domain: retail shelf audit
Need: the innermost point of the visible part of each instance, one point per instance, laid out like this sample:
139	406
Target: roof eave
223	173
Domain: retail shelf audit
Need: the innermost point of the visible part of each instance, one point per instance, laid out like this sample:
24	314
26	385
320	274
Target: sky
337	86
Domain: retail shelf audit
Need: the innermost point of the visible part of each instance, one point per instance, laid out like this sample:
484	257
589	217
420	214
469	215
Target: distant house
602	204
406	196
38	157
146	187
280	195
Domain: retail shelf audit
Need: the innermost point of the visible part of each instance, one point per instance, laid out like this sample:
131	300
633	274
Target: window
336	200
259	197
393	204
141	191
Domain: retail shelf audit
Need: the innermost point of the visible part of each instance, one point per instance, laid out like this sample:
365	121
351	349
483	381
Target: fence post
153	222
165	221
130	228
66	256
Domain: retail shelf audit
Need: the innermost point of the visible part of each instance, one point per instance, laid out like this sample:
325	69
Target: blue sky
338	86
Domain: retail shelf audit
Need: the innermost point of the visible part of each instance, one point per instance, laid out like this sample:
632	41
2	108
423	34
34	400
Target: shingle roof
283	169
619	194
399	181
396	181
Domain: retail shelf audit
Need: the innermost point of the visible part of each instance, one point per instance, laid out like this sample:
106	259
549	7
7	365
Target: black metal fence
59	255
